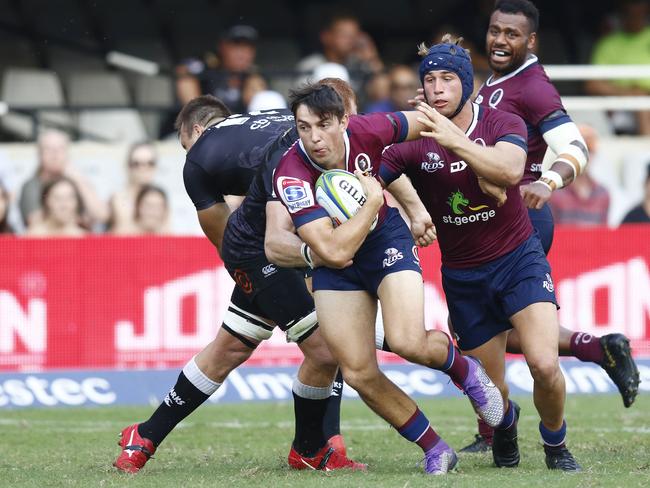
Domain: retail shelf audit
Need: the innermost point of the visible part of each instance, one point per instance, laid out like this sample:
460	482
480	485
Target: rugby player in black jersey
224	153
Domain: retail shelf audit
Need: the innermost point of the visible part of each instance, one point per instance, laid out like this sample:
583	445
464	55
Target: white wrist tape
545	184
555	177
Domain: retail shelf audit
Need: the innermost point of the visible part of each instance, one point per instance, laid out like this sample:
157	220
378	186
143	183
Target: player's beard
516	61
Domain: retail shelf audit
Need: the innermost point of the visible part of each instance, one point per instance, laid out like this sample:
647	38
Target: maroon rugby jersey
365	139
529	93
472	230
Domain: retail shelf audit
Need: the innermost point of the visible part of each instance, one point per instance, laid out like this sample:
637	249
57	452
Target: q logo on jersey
495	98
362	163
295	193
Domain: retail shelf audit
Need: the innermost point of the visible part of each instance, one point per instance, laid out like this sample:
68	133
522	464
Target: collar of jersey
476	111
305	156
532	60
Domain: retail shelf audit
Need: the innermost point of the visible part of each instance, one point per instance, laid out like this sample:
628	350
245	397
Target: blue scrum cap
450	57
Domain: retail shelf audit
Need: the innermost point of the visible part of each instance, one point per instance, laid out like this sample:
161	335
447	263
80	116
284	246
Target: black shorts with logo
269	291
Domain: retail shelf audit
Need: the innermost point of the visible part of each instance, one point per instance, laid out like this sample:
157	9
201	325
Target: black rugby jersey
224	160
243	238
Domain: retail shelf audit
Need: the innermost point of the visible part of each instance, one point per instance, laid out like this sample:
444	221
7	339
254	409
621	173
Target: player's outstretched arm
415	125
337	246
213	222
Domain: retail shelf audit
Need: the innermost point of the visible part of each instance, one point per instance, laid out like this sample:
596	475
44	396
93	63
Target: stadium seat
118	122
97	89
155	92
32	88
112	125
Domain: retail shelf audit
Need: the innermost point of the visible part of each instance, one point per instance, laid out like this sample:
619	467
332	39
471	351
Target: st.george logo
458	202
460	207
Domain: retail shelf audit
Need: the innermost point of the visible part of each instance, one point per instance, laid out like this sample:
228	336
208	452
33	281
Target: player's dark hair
322	100
525	7
49	186
201	110
144	191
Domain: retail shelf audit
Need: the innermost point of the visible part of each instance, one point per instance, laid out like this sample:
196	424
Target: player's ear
345	120
532	40
197	130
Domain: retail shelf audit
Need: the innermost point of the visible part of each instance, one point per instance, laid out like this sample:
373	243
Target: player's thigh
347	322
288	303
401	296
245	321
538	328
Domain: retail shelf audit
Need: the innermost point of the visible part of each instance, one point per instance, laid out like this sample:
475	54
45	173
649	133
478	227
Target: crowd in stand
59	201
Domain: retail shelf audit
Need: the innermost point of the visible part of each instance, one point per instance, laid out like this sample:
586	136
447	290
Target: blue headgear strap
450	57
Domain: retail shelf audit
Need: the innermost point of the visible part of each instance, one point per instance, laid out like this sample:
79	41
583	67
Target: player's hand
438	127
419	97
535	194
495	191
423	230
371	187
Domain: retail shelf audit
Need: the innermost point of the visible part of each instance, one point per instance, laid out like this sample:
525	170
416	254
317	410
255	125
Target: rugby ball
340	193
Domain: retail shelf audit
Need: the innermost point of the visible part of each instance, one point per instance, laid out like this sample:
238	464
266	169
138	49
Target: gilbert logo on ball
341	195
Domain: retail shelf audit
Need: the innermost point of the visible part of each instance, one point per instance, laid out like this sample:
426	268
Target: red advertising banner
109	302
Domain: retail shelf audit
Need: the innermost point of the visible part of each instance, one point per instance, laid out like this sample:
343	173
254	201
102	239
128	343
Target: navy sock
418	429
552	438
508	418
456	365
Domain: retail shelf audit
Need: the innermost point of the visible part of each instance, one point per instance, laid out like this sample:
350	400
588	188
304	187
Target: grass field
246	445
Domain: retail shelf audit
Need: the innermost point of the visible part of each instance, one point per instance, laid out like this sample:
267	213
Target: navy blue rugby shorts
387	250
482	299
543	223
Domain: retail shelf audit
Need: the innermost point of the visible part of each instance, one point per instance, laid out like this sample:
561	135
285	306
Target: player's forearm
284	249
567	143
405	194
337	246
503	168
